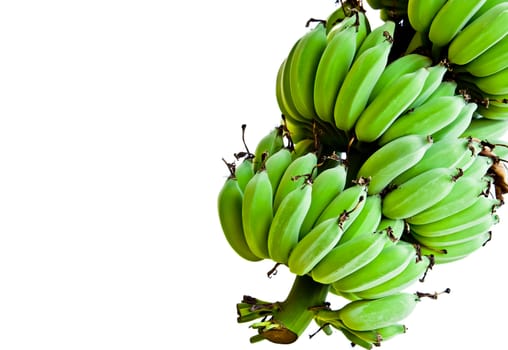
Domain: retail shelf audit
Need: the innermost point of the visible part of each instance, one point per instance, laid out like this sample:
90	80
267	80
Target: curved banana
390	262
485	129
458	126
419	193
394	70
432	82
479	167
458	251
348	257
268	145
302	69
446	88
382	33
392	159
495	110
495	84
451	18
257	213
331	71
394	228
364	315
348	204
462	195
479	35
421	13
479	211
295	176
413	272
367	220
389	105
355	90
486	6
276	165
286	223
491	61
325	187
244	172
230	216
448	153
309	251
425	119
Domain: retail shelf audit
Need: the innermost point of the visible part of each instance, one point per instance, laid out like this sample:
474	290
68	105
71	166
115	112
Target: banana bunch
388	159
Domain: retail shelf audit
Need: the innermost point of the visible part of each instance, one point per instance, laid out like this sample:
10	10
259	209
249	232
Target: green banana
479	35
355	90
458	126
451	18
356	20
276	165
309	251
491	61
425	119
495	110
418	43
495	84
419	193
286	223
479	167
485	129
257	213
396	69
462	195
432	82
480	210
382	33
331	71
445	241
458	251
413	272
395	228
421	13
268	145
295	176
367	220
348	257
244	172
230	216
390	262
325	187
364	315
392	159
302	69
389	105
446	88
448	153
486	6
348	203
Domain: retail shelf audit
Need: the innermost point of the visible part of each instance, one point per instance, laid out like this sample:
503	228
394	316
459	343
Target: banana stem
294	315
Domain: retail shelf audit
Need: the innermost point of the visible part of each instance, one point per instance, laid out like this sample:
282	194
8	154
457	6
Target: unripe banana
356	20
326	186
286	223
364	315
397	68
309	251
244	172
382	33
276	165
389	105
448	153
257	213
358	83
495	110
348	203
458	251
493	60
295	176
410	275
486	6
392	260
421	13
349	257
230	216
394	228
480	210
446	88
451	18
432	82
458	126
425	119
331	71
486	129
479	167
367	221
479	35
495	84
283	93
268	145
462	195
419	193
392	159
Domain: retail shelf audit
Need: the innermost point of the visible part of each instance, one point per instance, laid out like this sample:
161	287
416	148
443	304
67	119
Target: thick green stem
294	314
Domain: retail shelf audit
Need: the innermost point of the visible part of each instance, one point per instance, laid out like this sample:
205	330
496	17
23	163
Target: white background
114	118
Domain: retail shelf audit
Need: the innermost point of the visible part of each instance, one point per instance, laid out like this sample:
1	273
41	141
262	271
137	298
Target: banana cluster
388	160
